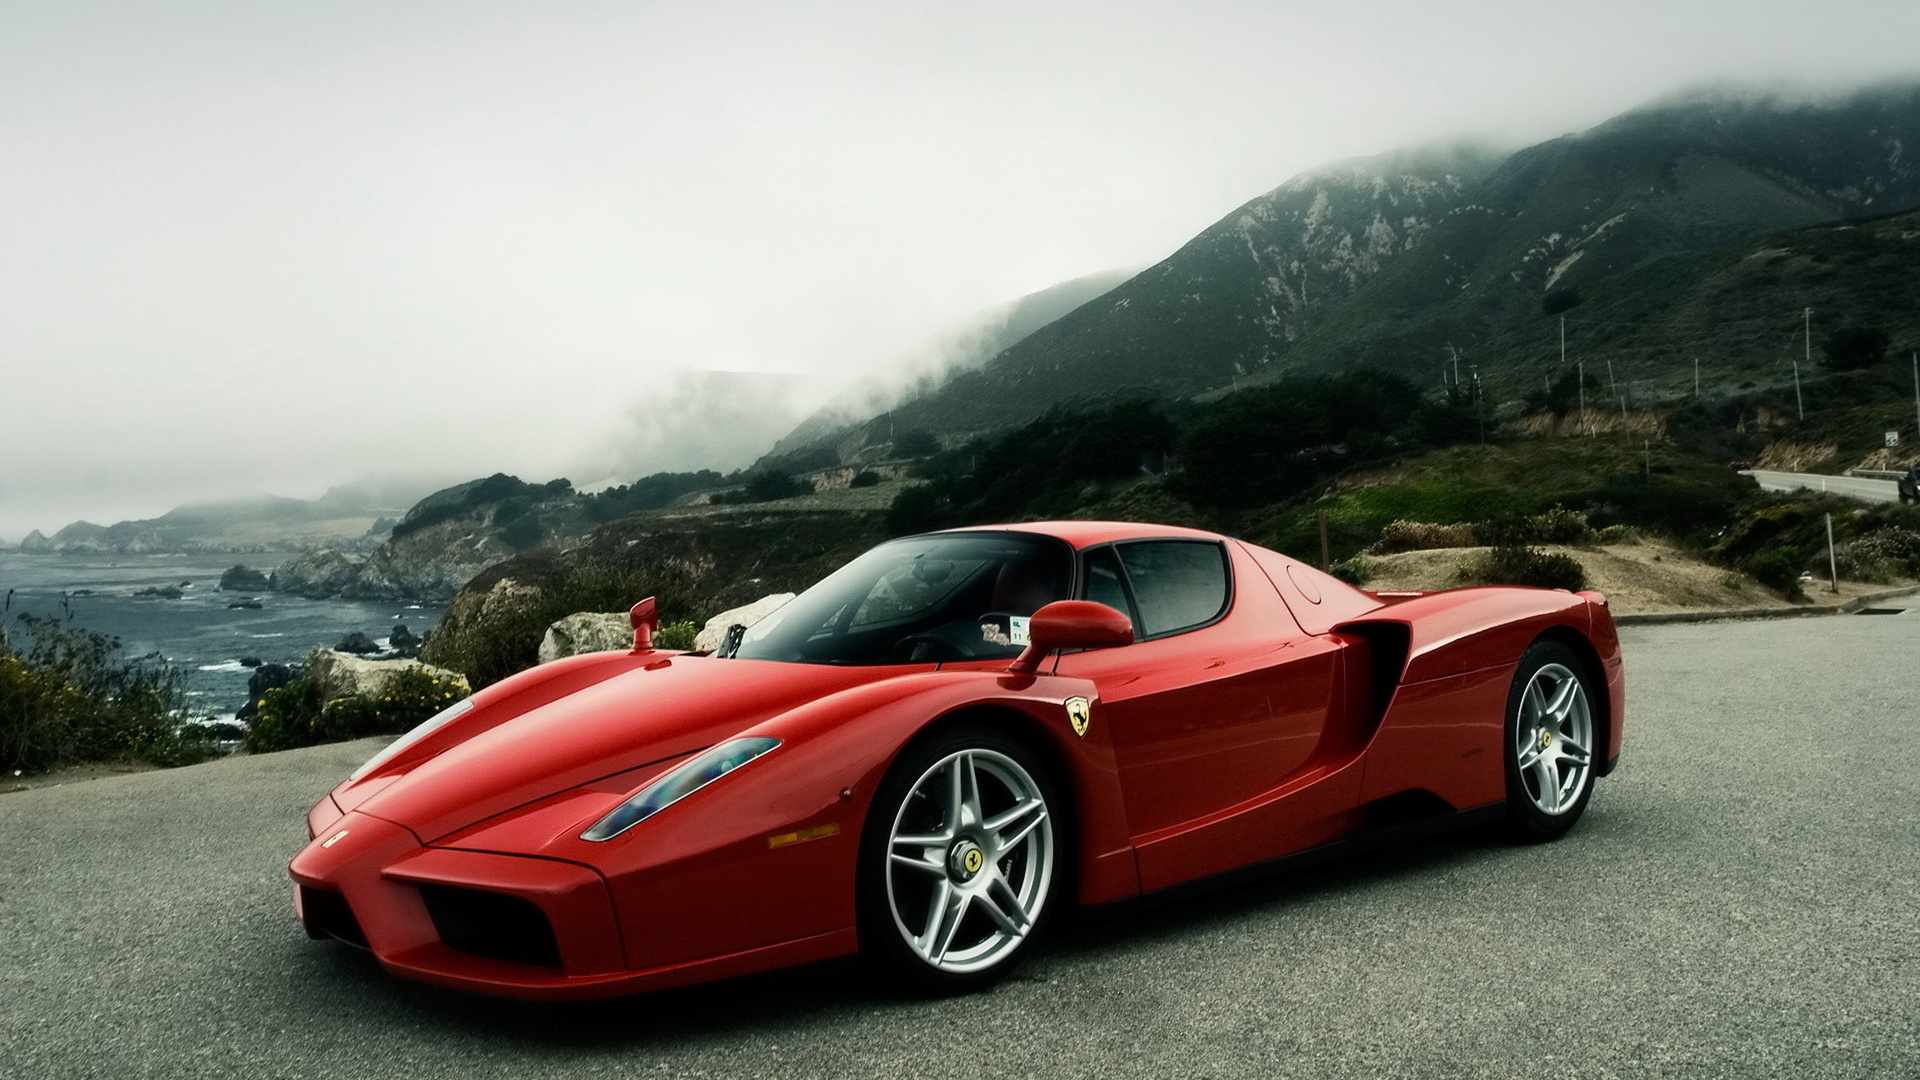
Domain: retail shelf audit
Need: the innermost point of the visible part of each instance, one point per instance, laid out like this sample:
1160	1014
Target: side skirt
1392	831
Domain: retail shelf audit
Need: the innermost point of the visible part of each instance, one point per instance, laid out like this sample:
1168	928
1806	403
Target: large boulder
318	575
243	579
585	632
715	631
339	675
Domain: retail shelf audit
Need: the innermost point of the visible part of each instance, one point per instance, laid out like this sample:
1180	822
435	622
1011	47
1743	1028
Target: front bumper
508	925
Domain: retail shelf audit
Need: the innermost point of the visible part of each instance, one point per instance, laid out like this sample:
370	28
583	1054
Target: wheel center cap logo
966	860
1546	739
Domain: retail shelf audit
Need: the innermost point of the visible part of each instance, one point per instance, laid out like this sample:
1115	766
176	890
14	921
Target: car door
1219	713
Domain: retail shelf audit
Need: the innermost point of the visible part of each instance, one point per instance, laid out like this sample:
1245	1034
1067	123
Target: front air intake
493	925
327	915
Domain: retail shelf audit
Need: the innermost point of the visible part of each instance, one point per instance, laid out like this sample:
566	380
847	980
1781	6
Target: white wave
225	665
265	635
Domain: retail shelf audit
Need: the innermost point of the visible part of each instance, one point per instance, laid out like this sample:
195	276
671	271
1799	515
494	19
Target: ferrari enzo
944	745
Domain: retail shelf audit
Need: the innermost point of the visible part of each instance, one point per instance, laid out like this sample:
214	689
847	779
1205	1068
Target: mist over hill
1404	260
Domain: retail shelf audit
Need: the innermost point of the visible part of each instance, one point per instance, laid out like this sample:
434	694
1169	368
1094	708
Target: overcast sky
255	246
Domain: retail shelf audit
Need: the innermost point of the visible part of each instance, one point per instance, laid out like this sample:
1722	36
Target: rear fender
1443	729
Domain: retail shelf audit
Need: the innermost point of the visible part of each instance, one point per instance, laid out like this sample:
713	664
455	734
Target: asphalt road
1742	899
1854	487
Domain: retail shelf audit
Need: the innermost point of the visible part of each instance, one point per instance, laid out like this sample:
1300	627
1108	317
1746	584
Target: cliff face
442	542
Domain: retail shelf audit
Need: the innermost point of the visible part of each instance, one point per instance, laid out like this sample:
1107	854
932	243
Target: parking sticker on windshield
1017	629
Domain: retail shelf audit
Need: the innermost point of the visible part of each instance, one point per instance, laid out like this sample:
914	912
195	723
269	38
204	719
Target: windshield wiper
730	646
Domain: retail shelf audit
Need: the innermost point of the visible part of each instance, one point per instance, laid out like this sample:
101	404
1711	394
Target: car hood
636	718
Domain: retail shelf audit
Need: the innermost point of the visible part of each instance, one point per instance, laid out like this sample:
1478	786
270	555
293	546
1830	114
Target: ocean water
198	632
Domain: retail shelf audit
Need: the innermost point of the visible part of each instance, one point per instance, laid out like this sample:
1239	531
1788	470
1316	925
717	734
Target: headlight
433	724
703	769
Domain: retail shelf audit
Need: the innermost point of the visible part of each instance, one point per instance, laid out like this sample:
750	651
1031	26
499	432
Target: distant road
1851	486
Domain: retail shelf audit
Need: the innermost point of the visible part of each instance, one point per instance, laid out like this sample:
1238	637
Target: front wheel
959	860
1550	742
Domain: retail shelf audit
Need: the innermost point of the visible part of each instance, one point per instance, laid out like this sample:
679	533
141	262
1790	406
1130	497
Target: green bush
767	486
294	715
1778	568
1354	571
1556	526
1516	565
68	697
504	637
679	634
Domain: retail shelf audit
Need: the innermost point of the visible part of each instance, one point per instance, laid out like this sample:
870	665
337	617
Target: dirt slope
1639	579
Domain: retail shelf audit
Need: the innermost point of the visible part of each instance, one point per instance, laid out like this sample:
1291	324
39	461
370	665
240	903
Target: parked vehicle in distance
944	746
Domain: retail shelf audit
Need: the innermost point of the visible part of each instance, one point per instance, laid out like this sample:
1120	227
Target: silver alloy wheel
969	861
1553	739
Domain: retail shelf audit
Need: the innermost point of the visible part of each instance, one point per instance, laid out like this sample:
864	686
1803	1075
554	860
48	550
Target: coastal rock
715	631
585	632
244	579
357	643
318	575
265	677
338	675
249	604
404	641
163	592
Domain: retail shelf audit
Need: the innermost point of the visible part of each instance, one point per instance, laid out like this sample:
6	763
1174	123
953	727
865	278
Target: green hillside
1397	262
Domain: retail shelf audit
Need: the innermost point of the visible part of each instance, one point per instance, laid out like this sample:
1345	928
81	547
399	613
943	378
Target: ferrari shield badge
1079	712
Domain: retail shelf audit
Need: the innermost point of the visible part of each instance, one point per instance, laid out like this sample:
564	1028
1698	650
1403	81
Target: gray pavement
1742	899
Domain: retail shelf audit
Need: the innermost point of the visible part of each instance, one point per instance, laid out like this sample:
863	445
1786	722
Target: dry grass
1638	579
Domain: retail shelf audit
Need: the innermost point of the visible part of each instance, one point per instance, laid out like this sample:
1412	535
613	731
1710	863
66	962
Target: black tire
1551	753
982	871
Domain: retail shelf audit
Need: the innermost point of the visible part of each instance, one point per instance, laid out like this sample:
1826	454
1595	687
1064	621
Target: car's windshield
925	599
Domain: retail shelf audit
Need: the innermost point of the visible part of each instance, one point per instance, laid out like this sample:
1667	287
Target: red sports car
942	746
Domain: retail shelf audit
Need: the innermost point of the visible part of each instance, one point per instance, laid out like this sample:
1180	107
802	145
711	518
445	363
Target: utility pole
1477	414
1833	564
1799	403
1614	387
1582	379
1916	394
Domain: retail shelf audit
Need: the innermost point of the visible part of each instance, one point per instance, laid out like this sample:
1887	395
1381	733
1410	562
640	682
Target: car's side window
1104	583
1178	584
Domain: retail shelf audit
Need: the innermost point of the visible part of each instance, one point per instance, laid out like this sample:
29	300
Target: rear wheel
1550	742
959	860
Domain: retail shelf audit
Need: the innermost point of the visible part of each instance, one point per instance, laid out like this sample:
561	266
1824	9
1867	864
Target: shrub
865	478
1516	565
293	715
1620	534
1556	526
1778	568
1354	571
1397	536
679	634
70	697
503	637
767	486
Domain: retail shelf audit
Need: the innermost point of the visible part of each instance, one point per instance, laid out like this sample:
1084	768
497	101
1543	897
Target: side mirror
645	617
1071	624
